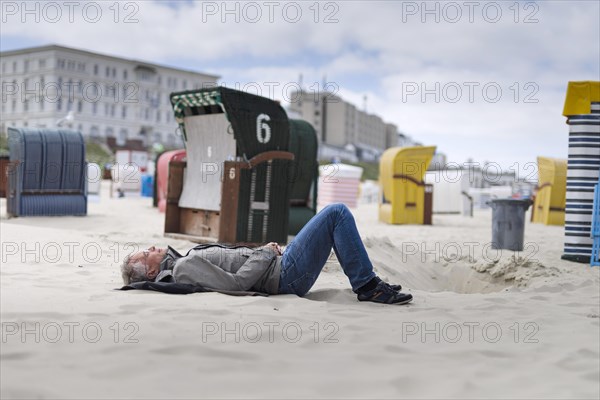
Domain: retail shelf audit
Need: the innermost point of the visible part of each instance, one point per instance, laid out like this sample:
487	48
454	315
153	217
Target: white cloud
376	48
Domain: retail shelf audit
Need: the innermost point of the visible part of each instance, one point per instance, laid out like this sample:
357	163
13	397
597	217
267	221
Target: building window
14	66
184	84
110	90
157	115
122	138
147	114
125	74
42	103
109	132
157	137
13	105
95	132
26	105
95	108
59	104
26	66
112	110
96	69
79	106
124	112
114	72
107	72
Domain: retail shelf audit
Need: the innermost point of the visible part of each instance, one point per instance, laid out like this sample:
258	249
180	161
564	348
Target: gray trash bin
508	223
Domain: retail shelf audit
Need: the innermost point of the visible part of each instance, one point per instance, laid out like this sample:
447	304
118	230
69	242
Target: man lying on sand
265	269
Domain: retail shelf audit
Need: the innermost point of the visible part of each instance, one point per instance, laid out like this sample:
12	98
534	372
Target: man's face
151	258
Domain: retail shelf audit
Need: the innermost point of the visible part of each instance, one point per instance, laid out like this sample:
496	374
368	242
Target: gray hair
133	271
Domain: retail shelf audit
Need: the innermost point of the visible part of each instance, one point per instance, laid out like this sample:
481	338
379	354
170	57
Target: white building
339	123
107	96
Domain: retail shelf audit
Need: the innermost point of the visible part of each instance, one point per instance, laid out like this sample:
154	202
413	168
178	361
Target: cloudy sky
481	80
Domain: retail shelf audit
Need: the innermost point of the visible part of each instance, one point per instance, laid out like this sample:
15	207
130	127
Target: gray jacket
225	268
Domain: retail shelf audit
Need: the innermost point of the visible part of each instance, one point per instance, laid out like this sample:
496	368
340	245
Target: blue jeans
304	258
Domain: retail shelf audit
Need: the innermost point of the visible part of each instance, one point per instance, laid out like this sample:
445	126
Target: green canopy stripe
189	100
200	99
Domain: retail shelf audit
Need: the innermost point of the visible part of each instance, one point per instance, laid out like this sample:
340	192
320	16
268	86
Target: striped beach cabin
582	109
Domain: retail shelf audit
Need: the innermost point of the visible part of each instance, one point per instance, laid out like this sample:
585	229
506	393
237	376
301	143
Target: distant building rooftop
53	47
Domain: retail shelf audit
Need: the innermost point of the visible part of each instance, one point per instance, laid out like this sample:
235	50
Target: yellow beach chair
406	199
550	199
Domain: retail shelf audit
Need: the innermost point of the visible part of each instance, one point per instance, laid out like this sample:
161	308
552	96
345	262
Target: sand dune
482	325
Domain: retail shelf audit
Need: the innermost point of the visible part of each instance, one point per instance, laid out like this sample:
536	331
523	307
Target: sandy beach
483	323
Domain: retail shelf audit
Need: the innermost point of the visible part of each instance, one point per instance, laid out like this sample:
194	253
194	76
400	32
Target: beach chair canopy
580	96
258	124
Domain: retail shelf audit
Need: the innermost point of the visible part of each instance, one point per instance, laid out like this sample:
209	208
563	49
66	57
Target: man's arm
197	270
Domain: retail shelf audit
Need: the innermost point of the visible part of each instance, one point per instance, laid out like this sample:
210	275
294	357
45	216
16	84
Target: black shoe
384	293
397	288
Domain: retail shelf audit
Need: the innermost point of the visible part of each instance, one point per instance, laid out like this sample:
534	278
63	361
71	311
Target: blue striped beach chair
595	231
47	173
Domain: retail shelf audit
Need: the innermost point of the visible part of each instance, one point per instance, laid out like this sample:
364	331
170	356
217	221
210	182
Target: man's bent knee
337	207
